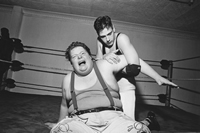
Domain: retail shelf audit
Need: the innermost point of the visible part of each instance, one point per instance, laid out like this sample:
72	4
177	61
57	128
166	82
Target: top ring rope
49	49
187	59
56	50
44	48
31	51
47	67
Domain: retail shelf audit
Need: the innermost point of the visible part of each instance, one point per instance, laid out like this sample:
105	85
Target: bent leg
124	124
127	93
71	125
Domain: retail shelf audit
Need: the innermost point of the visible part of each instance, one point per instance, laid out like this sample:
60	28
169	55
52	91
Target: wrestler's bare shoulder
104	65
67	79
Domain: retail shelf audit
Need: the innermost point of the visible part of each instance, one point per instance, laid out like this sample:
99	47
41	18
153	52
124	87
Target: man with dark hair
90	97
6	50
108	42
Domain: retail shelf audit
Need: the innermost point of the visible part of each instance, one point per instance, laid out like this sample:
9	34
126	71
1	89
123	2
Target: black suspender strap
73	94
105	88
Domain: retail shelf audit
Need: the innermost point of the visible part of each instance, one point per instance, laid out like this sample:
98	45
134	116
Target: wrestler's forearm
148	70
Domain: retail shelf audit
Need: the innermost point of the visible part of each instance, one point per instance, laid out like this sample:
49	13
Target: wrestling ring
29	112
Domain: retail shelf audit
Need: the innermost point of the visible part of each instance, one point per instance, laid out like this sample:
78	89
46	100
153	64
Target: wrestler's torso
124	81
90	93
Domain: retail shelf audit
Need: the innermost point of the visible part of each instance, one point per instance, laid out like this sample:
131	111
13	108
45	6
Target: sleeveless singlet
120	74
104	47
99	85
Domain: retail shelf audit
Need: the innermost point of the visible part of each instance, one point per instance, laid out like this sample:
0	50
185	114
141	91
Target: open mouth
81	63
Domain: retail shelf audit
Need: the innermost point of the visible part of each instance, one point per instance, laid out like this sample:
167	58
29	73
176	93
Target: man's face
81	61
107	36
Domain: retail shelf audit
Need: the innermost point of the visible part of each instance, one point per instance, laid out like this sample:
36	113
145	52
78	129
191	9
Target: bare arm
63	109
128	49
63	106
99	54
146	69
149	71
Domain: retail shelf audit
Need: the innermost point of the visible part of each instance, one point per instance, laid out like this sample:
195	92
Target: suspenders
73	95
105	88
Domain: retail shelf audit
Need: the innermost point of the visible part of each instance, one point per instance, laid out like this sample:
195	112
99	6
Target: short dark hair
102	22
4	32
74	45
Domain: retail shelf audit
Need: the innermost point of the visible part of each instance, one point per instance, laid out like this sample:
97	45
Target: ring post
168	89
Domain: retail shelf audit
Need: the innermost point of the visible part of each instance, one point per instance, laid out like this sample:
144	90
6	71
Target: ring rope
38	85
174	106
56	50
30	51
150	99
192	69
154	65
187	59
152	61
137	78
53	68
10	62
190	79
45	71
37	89
146	95
189	90
60	92
185	102
178	79
44	48
5	61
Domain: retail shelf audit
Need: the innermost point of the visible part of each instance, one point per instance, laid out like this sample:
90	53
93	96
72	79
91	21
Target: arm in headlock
133	70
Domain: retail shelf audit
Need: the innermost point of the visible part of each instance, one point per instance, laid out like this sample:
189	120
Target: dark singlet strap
105	88
104	50
116	41
73	94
